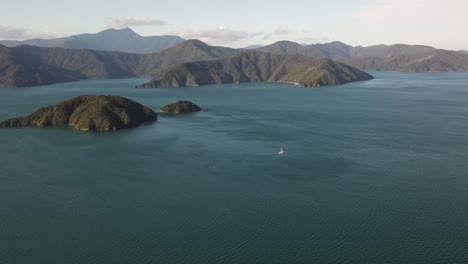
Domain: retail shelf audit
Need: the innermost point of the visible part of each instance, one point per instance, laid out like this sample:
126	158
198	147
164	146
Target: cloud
134	22
217	36
309	39
277	32
281	31
14	33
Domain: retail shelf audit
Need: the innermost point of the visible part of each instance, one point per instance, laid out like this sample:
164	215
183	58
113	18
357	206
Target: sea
373	172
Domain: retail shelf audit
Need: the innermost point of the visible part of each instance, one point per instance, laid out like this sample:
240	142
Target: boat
281	152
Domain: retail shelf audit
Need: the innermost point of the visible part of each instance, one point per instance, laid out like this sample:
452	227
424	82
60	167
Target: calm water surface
374	172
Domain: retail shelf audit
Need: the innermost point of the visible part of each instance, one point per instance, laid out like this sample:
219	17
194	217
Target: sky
239	23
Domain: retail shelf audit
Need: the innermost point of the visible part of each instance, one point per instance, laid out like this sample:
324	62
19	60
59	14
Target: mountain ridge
254	66
25	65
397	57
123	40
32	66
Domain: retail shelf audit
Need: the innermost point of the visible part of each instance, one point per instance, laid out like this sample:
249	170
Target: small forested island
254	66
88	113
180	107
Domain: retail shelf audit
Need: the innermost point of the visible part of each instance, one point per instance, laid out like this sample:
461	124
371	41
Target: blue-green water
374	172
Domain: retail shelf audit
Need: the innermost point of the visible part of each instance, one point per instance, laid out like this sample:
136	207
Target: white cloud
308	39
134	22
14	33
276	32
281	31
217	36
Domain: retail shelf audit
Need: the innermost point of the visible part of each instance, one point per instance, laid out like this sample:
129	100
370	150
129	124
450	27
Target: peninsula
253	66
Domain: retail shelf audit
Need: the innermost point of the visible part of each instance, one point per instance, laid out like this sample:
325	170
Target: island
88	113
254	66
180	107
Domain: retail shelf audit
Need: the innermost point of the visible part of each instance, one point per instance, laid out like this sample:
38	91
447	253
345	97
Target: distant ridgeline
124	40
400	57
174	62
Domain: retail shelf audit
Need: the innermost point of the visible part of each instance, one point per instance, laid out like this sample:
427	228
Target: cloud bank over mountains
134	22
217	36
438	23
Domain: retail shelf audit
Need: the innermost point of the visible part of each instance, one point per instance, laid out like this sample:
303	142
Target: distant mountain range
254	66
123	53
31	66
400	57
124	40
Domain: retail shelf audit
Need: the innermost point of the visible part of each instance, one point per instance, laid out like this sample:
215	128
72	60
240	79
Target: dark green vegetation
88	112
31	66
124	40
188	51
403	58
181	107
260	67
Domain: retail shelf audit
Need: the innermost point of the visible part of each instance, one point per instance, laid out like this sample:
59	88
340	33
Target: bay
374	172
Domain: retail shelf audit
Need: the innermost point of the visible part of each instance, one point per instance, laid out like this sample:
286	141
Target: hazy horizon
436	23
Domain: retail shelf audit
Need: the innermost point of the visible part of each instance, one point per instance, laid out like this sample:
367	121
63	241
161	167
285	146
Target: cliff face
88	112
260	67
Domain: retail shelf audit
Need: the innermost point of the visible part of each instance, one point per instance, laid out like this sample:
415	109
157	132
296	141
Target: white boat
281	152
